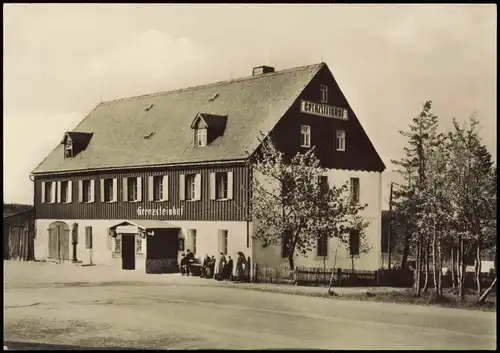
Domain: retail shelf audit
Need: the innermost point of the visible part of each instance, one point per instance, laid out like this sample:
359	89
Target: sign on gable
324	110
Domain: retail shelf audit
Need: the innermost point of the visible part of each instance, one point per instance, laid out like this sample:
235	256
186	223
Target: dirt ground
49	306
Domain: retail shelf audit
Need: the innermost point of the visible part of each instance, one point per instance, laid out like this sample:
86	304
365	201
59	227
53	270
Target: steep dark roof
252	104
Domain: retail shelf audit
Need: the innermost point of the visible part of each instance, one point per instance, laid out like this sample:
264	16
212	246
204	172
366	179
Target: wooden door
59	241
128	251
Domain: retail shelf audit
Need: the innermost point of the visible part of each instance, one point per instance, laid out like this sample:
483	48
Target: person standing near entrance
189	261
183	264
219	267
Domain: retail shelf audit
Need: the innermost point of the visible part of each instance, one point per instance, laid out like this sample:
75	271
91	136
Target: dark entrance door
128	251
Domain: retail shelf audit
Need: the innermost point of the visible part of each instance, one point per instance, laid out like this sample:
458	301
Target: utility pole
389	228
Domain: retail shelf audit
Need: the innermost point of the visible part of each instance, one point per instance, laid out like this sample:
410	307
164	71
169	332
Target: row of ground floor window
157	246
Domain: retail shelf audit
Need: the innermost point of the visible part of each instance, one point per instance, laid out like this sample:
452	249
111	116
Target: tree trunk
427	261
462	265
352	264
406	252
440	268
478	269
332	276
290	262
434	261
418	266
487	292
452	266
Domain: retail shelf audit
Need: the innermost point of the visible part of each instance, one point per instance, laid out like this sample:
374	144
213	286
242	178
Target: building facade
140	180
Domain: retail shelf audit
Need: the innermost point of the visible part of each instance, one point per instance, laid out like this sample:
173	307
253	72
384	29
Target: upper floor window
48	192
68	149
221	185
190	186
354	189
108	190
340	141
201	137
324	93
132	189
87	190
65	192
305	132
158	187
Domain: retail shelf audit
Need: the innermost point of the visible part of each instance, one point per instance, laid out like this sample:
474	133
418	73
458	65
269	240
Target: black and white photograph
249	176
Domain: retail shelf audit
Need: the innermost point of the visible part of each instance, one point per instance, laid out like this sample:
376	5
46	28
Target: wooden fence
316	276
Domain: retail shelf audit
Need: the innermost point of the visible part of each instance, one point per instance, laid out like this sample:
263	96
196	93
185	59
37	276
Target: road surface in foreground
174	314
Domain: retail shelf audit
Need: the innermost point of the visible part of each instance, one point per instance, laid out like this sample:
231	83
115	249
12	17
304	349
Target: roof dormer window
201	137
68	149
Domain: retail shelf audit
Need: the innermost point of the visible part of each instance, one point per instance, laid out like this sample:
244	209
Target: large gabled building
141	179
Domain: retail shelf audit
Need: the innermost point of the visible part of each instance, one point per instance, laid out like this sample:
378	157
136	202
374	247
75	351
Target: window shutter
197	187
125	190
43	191
182	188
230	185
165	188
88	237
151	188
212	186
92	190
58	192
139	189
102	190
115	189
80	190
69	192
220	245
53	192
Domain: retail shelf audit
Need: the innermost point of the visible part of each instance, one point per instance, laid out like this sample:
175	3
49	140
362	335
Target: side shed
19	236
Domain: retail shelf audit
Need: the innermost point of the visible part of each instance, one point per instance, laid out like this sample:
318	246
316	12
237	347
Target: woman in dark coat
228	271
206	267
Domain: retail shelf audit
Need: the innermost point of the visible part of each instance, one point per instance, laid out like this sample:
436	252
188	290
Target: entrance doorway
128	251
59	241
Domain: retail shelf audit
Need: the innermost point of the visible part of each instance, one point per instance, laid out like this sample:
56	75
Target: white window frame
201	137
111	191
340	140
68	146
324	93
158	187
190	182
131	187
49	192
305	136
88	191
66	200
221	178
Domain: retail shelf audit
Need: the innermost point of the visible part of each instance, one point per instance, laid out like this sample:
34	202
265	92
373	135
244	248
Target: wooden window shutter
165	188
80	190
212	186
151	185
102	190
88	237
182	187
92	190
125	189
139	189
230	185
58	193
43	191
115	189
69	192
197	187
53	192
220	237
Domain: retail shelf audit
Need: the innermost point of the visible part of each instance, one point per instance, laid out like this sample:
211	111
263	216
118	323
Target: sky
62	60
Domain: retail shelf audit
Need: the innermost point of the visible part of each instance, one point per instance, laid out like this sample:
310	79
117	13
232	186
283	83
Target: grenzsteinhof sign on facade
325	110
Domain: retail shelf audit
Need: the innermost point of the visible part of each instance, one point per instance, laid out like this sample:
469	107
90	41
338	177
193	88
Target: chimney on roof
260	70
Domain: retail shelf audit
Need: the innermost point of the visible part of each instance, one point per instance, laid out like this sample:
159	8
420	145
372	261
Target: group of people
220	268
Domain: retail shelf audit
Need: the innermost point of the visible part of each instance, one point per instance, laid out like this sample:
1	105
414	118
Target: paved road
145	314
